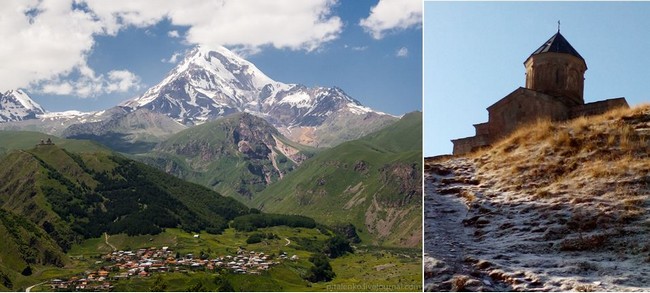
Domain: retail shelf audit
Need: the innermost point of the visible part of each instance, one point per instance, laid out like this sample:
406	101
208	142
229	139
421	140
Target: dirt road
107	243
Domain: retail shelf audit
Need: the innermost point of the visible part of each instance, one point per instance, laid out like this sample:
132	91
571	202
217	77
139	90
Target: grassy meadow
369	268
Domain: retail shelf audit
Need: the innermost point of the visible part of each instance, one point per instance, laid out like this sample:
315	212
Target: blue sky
474	54
362	60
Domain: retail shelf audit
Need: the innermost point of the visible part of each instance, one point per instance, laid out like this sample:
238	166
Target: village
144	262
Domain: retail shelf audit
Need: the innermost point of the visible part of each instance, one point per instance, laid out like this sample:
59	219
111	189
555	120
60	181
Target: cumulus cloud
42	39
390	15
296	25
47	42
121	81
402	52
87	84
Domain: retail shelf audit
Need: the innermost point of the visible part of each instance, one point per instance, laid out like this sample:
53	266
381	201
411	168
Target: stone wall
597	108
521	107
469	144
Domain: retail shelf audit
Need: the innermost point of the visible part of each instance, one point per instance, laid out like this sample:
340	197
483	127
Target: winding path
29	289
106	241
288	241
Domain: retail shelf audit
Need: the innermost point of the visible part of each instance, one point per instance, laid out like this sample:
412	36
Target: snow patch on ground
480	237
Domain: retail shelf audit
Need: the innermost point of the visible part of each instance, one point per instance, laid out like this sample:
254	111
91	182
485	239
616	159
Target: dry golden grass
458	283
585	288
468	195
568	155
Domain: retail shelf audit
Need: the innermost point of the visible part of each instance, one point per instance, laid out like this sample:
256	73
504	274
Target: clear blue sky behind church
474	54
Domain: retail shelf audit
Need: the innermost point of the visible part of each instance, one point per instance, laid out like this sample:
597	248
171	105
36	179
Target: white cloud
61	88
121	81
41	46
355	48
402	52
295	25
173	34
45	42
87	84
173	59
391	15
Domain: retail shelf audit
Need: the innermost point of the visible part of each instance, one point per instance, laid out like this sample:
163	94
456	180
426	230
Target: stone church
554	90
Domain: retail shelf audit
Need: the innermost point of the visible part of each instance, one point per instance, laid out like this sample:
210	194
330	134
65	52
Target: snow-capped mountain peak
213	82
16	105
210	83
225	64
24	99
205	85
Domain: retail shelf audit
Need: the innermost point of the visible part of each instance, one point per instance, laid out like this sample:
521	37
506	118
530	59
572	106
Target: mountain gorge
238	155
373	183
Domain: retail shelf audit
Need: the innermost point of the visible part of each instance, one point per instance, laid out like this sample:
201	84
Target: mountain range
206	85
218	121
246	143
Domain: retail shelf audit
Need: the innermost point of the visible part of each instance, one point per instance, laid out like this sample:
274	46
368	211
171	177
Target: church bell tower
558	70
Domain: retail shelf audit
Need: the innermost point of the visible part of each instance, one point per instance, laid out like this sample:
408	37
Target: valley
351	269
215	160
68	200
373	183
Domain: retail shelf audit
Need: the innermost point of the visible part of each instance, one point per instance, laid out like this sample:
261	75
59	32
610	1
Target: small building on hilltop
554	91
46	142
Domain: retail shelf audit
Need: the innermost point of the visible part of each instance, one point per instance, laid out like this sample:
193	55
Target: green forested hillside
97	192
23	246
374	183
238	155
51	198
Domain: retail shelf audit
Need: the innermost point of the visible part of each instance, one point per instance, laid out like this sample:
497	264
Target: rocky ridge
237	155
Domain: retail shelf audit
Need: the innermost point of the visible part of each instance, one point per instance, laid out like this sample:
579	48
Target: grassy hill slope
13	140
51	198
24	246
238	155
128	132
373	183
554	207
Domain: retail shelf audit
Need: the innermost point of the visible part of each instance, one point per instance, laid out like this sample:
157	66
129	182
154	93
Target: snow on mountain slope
206	85
209	84
16	105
